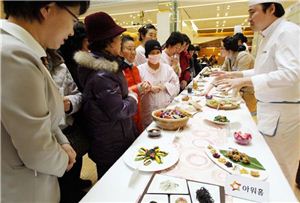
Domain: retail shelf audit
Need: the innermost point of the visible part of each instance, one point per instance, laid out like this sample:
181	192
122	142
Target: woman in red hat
107	106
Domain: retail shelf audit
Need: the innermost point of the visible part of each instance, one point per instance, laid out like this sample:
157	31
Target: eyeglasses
71	13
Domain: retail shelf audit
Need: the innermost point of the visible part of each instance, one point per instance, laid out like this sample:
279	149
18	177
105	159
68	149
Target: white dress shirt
276	74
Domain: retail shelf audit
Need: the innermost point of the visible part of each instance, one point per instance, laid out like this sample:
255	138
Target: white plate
210	118
218	122
263	173
168	160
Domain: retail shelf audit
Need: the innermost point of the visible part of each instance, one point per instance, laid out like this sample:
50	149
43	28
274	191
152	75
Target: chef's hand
71	154
235	83
220	75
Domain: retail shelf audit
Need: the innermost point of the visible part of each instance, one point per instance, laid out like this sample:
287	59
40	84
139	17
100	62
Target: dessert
242	138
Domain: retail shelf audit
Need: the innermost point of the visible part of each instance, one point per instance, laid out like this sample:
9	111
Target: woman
163	79
147	32
238	61
170	55
73	44
107	106
34	150
132	76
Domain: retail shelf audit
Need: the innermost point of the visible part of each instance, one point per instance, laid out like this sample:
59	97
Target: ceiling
207	15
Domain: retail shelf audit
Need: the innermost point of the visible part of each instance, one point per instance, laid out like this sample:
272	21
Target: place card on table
247	188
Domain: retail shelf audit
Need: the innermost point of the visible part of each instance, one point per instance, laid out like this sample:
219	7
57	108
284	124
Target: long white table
113	186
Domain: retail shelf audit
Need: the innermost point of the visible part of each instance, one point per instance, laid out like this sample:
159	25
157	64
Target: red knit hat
101	26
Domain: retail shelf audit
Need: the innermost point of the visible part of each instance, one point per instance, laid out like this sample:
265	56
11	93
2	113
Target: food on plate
208	96
237	156
168	185
222	160
228	164
185	98
222	119
170	114
225	104
244	171
242	159
242	138
236	162
195	105
254	173
203	195
181	200
149	155
216	155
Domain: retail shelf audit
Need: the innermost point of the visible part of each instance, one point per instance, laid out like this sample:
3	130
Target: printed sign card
247	188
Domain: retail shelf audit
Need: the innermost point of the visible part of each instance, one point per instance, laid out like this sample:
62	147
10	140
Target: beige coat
32	108
241	61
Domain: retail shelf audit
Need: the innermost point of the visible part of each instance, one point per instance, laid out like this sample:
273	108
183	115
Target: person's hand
235	83
183	84
156	88
174	60
71	154
220	75
146	87
67	104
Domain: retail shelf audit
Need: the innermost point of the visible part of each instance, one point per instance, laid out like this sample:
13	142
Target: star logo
235	185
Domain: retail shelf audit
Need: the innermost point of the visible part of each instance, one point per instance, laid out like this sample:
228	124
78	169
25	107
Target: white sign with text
247	188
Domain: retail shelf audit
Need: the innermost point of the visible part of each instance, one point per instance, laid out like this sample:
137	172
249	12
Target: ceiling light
217	25
217	22
246	19
218	14
220	18
224	21
226	14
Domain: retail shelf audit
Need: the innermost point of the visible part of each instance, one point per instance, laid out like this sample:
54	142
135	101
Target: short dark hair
30	10
186	39
230	43
241	37
74	43
279	10
174	38
191	48
126	38
144	30
197	48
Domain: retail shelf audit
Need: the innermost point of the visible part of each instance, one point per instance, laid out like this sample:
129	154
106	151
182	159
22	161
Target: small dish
242	138
154	132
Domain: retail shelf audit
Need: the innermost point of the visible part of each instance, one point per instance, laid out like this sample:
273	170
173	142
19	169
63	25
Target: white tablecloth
193	163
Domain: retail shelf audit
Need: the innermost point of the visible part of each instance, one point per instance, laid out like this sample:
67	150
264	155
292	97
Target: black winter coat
107	109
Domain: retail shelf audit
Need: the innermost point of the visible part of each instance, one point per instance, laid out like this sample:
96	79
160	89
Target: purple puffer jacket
107	109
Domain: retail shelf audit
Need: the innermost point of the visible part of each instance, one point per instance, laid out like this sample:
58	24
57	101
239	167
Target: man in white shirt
276	82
